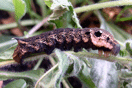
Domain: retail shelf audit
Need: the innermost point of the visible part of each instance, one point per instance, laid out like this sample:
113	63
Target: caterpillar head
103	39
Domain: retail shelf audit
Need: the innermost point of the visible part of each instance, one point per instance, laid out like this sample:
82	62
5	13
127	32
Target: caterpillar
66	39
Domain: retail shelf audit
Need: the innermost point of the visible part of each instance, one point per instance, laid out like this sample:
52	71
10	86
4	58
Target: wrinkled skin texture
66	39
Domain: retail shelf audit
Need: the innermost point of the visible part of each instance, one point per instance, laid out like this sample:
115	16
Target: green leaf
53	77
77	65
48	79
85	77
82	71
124	10
129	46
29	76
20	9
48	3
6	5
7	47
4	38
20	83
64	21
63	14
7	54
63	66
123	52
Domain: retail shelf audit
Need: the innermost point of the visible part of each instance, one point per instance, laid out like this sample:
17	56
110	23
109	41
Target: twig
36	27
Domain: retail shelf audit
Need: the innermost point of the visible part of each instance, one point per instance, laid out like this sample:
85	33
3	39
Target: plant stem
23	23
37	26
110	58
102	5
63	80
54	67
38	64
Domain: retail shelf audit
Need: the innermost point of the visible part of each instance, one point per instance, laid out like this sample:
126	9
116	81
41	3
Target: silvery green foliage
104	74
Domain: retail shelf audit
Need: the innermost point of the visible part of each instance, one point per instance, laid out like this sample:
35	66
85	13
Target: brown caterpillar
65	39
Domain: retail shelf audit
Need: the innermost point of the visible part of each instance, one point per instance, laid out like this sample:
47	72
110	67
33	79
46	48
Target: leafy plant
93	71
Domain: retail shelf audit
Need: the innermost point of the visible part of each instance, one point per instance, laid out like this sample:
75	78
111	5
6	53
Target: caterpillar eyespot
65	39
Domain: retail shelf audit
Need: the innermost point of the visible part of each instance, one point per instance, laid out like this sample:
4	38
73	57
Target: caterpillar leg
100	52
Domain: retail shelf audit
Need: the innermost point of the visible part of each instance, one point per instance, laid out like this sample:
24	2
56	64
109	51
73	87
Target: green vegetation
89	67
